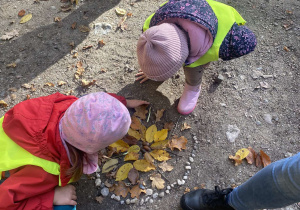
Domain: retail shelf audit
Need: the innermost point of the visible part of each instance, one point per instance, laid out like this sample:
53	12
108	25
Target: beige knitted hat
162	50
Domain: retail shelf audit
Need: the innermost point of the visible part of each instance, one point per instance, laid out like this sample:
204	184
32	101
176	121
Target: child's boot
204	199
189	98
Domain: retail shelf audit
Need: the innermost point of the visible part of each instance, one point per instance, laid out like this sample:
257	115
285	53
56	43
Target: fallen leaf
57	19
264	85
187	190
129	14
120	12
236	159
141	111
10	35
12	89
252	156
84	29
101	43
178	143
109	165
60	83
185	126
130	140
99	199
160	144
120	146
150	133
111	174
21	13
135	123
11	65
143	165
265	159
157	181
148	157
107	184
289	12
28	97
159	114
26	18
123	171
49	84
121	189
160	155
3	103
169	125
160	135
239	156
133	176
136	191
66	8
131	156
79	70
13	97
87	47
73	26
134	148
165	166
258	161
143	130
103	70
286	49
85	83
134	134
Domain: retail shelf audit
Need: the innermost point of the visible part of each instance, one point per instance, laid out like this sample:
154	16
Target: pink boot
188	100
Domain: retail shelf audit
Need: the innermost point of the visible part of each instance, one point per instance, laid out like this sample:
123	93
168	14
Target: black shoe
204	199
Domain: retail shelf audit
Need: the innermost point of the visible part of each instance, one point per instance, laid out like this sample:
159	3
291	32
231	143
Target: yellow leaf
148	157
143	130
165	166
3	103
160	144
143	165
123	171
120	146
134	148
150	133
160	135
157	181
132	156
109	165
242	153
26	18
160	155
134	134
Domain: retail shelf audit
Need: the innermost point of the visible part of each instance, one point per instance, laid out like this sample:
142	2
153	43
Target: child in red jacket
53	139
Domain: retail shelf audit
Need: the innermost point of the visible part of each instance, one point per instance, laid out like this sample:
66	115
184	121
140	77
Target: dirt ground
42	54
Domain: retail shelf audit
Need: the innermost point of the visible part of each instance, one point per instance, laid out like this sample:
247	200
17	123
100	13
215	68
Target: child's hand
65	195
141	76
135	103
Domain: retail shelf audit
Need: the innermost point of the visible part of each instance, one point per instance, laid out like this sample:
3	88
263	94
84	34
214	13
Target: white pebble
98	182
53	7
168	191
162	194
97	175
150	201
188	167
179	182
195	138
168	187
98	170
135	200
112	196
117	198
142	201
155	195
172	185
105	191
193	155
184	177
149	192
147	199
128	201
191	159
188	163
196	142
122	202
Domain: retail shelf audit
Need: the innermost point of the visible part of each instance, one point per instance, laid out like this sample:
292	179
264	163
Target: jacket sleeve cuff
120	98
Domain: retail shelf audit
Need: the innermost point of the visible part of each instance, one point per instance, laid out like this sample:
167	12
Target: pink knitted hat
93	122
161	51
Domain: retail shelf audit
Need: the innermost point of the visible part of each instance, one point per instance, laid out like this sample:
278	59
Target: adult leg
275	186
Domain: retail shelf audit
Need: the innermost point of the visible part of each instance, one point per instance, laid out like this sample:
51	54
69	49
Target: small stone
105	191
142	186
219	79
53	7
232	133
97	175
258	122
98	182
191	159
195	147
149	192
112	196
188	167
147	199
117	198
196	142
162	194
179	182
122	202
188	163
168	187
268	118
184	177
172	185
102	185
135	200
195	138
193	155
168	191
155	195
150	201
188	172
142	201
98	170
128	201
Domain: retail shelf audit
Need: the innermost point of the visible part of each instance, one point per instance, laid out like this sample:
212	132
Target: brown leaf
141	111
27	86
136	191
165	166
21	13
84	29
265	159
157	181
85	83
185	126
159	114
57	19
13	97
49	84
28	97
99	199
187	190
130	140
135	123
107	184
129	14
133	176
11	65
121	189
258	161
178	143
236	159
286	49
148	157
87	47
111	174
73	26
3	103
101	43
252	156
60	83
169	125
79	70
66	8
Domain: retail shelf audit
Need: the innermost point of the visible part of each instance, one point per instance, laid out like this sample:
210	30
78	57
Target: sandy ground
42	52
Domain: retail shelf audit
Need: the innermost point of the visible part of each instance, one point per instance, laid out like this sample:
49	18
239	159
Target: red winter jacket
33	124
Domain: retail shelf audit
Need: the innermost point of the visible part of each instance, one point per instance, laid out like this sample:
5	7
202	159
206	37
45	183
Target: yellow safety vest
226	16
14	156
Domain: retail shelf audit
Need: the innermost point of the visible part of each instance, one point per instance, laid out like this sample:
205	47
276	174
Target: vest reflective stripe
226	16
14	156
